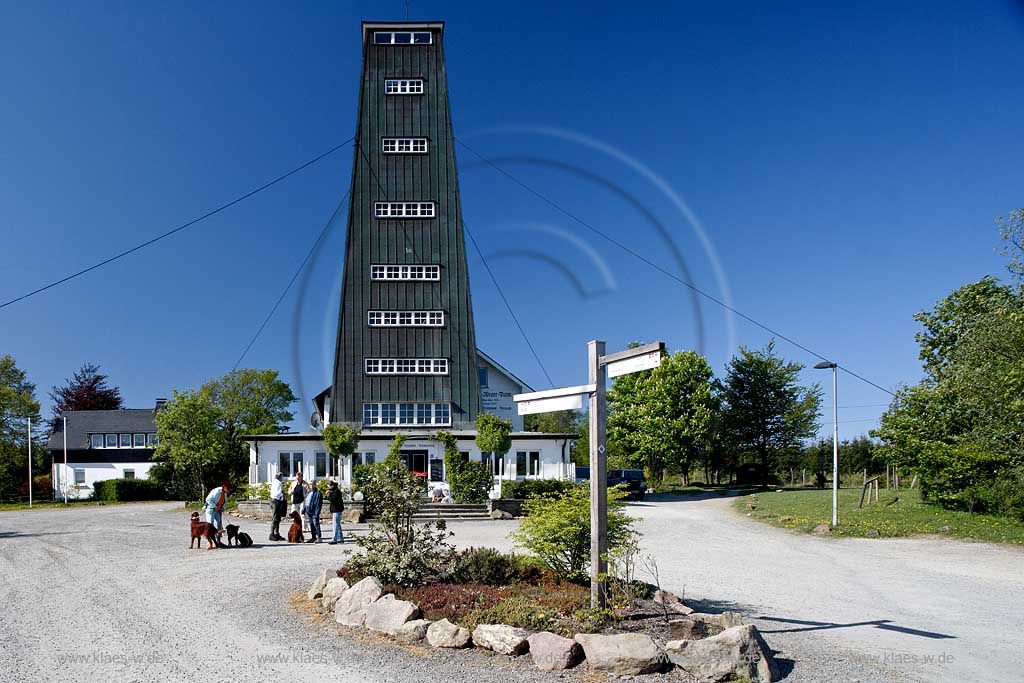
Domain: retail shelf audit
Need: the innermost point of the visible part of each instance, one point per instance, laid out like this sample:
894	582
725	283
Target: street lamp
825	365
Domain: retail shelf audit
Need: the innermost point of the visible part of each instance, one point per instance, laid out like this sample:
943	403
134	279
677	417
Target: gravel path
112	594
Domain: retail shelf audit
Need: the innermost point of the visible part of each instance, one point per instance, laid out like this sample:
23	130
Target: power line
669	274
508	306
178	229
309	255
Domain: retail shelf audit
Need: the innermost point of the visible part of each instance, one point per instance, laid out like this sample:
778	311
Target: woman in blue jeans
335	500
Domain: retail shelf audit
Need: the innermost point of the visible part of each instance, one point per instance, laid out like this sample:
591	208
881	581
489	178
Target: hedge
127	490
531	488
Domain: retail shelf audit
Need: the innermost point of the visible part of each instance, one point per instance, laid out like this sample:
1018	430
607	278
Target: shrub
557	530
958	476
449	600
531	488
485	566
127	490
470	482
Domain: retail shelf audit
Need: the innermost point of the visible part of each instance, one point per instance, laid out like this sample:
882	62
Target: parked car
634	480
582	474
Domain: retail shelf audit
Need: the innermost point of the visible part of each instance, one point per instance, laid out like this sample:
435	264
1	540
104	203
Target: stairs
430	512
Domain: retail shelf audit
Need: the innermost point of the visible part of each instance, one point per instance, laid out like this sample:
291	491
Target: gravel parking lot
112	594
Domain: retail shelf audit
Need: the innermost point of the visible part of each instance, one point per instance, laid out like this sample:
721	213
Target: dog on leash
201	530
295	532
232	530
244	539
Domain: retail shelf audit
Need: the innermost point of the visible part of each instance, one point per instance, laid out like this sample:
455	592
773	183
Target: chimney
160	402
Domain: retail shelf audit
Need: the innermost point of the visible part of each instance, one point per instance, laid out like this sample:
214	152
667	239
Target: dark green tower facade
406	348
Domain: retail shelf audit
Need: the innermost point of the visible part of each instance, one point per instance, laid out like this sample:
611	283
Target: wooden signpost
599	368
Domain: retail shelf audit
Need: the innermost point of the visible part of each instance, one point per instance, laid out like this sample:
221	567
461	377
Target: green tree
493	434
663	416
192	445
767	413
559	422
1011	229
17	403
341	439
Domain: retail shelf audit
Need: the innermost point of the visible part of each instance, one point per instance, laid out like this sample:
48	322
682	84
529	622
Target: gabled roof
505	371
82	423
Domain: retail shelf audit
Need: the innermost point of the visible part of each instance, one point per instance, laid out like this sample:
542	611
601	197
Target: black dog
232	530
244	540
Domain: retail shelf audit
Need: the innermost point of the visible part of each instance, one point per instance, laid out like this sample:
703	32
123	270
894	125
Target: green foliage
17	402
341	439
557	529
960	476
394	456
121	490
485	566
1011	229
560	422
396	550
470	482
201	432
663	416
531	488
493	434
767	413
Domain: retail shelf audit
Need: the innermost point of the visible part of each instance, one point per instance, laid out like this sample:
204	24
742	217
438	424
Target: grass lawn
907	516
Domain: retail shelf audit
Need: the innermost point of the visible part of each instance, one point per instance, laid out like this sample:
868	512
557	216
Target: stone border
738	651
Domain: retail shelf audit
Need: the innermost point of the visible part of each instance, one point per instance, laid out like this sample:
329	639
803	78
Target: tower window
405	272
387	414
406	366
404	86
404	209
405	318
402	38
404	145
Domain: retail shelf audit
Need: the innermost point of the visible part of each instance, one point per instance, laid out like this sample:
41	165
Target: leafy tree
341	439
1011	229
560	422
86	390
493	434
201	432
767	413
192	444
557	529
17	403
663	416
615	452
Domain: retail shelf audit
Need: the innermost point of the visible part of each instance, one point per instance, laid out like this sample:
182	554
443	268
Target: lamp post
825	365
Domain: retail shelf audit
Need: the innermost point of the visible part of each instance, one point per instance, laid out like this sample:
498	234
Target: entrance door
415	462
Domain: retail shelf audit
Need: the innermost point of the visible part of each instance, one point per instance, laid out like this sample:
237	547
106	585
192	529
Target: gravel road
112	594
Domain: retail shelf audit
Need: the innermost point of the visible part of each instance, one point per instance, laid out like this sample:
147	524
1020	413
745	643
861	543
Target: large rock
316	591
444	633
822	529
412	631
505	640
738	652
623	653
718	622
333	590
387	614
500	514
350	610
686	629
352	516
552	652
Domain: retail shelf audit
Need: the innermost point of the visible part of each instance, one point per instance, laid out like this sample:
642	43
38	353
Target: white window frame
398	38
392	210
93	438
124	475
391	414
405	86
406	366
135	440
405	318
79	473
403	145
405	272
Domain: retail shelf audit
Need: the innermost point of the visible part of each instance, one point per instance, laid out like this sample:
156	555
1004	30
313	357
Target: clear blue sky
846	161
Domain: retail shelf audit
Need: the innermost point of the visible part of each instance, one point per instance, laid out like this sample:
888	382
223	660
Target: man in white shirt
278	504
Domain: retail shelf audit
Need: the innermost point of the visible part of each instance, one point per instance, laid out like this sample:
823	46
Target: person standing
337	502
278	507
215	504
298	493
314	503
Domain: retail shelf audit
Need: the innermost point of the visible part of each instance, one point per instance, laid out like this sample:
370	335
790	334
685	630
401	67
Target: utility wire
668	273
302	266
508	306
178	229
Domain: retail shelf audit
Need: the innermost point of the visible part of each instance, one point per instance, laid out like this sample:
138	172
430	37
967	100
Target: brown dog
295	532
201	530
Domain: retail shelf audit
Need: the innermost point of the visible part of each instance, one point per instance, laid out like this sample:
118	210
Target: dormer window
402	38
